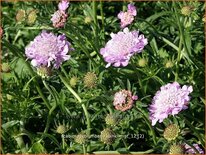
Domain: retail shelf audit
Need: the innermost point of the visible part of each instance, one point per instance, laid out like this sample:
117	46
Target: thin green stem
84	149
102	16
87	118
63	141
21	144
70	88
180	45
52	109
149	125
64	71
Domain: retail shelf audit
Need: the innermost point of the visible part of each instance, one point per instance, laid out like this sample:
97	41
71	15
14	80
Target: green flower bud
32	17
6	68
169	64
73	81
61	129
142	62
111	119
87	20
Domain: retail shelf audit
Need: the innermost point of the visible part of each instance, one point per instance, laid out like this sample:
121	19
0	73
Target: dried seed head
177	149
44	72
20	15
186	10
107	136
81	138
171	132
90	80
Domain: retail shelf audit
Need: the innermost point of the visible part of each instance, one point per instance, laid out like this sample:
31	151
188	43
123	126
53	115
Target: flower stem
83	105
52	109
63	142
84	149
21	144
70	88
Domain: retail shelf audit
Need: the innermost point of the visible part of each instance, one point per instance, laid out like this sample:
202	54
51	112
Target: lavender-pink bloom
48	50
190	150
59	19
127	17
63	5
169	100
122	46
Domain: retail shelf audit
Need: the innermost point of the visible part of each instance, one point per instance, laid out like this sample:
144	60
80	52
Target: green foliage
32	105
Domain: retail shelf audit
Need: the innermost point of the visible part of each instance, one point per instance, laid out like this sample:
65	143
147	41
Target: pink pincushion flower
63	5
48	50
127	17
59	19
60	16
122	46
190	150
169	100
123	100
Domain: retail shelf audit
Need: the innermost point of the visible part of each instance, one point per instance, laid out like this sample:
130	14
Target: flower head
59	19
90	80
123	100
127	17
107	136
177	149
60	16
48	50
63	5
81	138
169	100
111	119
171	132
190	150
122	46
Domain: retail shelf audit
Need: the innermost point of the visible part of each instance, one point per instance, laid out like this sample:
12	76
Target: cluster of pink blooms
169	100
123	100
48	50
190	150
127	17
60	16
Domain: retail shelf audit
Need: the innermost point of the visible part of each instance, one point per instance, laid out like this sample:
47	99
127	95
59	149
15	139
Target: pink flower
59	19
60	16
122	46
48	50
127	17
63	5
169	100
123	100
190	150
